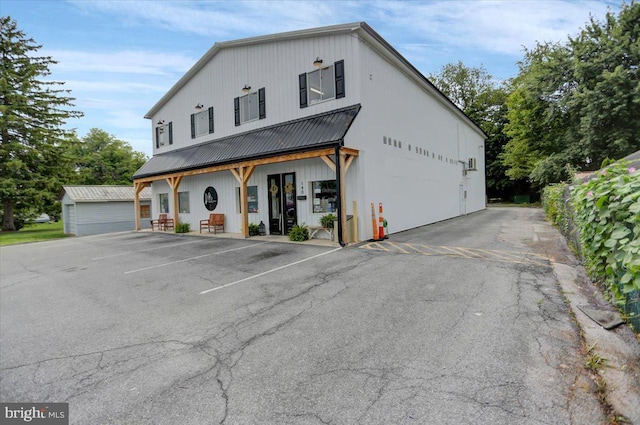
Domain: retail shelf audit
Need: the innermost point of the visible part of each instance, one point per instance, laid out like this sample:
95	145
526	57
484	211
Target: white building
90	210
288	127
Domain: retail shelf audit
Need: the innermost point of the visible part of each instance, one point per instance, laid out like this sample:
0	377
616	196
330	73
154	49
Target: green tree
482	99
540	126
100	158
577	103
606	59
32	113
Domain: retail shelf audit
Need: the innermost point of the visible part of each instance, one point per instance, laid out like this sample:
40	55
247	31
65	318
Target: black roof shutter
211	119
339	69
236	110
302	79
262	110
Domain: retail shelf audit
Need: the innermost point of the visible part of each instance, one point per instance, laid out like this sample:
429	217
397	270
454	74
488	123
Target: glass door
282	203
275	204
289	182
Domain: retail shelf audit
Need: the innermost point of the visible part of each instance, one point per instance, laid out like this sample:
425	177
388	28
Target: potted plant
327	220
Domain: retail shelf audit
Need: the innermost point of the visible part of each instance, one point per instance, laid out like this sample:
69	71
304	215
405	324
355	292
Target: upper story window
202	123
322	84
164	134
250	107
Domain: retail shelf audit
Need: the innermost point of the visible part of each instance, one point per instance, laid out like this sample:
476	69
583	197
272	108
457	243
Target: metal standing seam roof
103	193
305	134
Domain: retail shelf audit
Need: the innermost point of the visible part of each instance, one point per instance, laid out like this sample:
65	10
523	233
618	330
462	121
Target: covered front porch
318	140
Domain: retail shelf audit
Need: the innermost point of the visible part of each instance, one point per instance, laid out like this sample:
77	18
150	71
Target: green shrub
608	214
299	233
254	229
553	203
327	220
183	228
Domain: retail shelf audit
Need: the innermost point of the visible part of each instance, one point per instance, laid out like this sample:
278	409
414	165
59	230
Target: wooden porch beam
174	183
236	174
343	198
347	164
255	162
327	160
138	187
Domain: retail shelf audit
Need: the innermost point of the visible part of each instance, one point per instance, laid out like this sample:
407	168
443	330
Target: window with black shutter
249	107
211	120
262	111
322	84
302	80
236	110
171	133
193	126
339	68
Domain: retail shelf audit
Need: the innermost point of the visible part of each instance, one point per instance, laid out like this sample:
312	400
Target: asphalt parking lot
457	322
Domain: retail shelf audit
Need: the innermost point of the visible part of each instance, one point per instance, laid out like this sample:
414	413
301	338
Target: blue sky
119	57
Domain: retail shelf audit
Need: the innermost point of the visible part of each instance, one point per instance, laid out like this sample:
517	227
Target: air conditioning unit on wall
472	164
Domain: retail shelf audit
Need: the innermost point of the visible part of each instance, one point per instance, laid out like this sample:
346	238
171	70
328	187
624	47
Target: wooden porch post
243	174
343	198
138	187
174	183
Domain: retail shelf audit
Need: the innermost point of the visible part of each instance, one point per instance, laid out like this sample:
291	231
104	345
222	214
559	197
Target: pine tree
32	113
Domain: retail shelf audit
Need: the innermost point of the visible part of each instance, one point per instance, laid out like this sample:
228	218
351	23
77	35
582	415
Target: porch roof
305	134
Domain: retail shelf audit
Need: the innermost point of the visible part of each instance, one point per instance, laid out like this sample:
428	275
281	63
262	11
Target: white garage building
89	210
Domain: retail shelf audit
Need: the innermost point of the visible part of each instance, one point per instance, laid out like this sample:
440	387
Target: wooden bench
215	221
163	222
313	230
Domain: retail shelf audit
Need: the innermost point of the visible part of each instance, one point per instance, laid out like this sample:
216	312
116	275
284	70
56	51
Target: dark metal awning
306	134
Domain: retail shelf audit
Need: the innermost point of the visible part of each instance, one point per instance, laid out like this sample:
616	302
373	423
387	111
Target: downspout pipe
339	184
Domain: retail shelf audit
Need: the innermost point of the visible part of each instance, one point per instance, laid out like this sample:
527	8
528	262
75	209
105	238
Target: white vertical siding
70	225
419	182
274	66
226	186
104	217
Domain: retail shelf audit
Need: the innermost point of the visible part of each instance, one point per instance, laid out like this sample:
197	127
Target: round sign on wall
210	198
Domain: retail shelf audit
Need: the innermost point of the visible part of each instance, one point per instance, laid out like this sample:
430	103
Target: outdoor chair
162	223
215	220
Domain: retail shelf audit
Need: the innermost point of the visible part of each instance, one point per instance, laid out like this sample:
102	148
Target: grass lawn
33	233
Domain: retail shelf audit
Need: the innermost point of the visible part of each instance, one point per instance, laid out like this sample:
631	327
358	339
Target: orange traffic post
380	223
373	221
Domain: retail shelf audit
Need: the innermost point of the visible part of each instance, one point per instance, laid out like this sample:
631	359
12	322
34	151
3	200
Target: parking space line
397	247
193	258
419	250
375	246
269	271
457	251
471	252
454	251
144	250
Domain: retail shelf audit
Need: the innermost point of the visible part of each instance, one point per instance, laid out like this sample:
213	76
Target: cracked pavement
352	337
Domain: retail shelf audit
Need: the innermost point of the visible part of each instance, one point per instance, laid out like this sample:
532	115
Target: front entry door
282	203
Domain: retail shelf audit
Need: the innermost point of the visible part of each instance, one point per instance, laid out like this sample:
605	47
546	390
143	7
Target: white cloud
113	86
494	26
128	119
124	62
226	19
